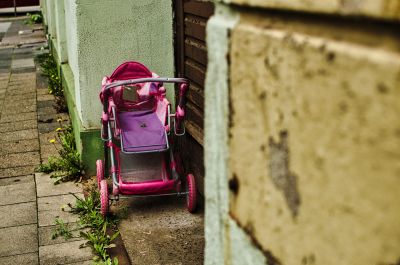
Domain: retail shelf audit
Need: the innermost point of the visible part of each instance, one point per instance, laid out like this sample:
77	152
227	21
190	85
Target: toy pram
138	134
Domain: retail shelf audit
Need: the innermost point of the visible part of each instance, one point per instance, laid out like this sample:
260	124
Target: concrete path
29	202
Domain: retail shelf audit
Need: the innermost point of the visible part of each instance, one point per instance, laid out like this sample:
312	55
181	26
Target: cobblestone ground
29	202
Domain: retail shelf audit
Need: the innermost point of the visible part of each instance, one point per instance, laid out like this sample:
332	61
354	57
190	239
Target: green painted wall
99	36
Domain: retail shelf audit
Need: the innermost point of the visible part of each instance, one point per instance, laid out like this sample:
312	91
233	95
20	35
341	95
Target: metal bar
15	8
113	173
152	195
145	80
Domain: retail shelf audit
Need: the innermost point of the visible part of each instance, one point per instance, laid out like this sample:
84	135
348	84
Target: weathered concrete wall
44	12
311	145
114	32
98	36
61	41
50	15
382	9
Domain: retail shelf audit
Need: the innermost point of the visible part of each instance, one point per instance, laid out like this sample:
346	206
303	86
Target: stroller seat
141	131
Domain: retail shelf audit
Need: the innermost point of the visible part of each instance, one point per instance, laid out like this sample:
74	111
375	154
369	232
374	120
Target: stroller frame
173	179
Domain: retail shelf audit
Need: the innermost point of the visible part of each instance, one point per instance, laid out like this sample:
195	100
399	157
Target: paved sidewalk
29	202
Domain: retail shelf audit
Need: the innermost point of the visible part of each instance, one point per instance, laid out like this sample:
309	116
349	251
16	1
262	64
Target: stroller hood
130	70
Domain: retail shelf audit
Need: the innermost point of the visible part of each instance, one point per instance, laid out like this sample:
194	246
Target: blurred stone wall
303	133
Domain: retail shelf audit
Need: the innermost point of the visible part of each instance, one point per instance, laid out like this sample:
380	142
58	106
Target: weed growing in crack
68	165
49	69
62	229
91	219
35	18
92	226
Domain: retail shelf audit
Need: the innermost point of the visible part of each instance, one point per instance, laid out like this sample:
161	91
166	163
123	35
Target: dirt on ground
159	230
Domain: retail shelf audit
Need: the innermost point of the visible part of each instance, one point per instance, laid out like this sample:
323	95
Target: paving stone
24	97
16	171
19	135
17	180
22	63
21	89
48	127
53	117
22	102
50	208
64	253
46	110
46	232
21	77
43	91
18	117
19	160
18	126
29	258
46	137
45	97
19	146
18	190
49	150
18	214
20	109
42	84
18	240
46	187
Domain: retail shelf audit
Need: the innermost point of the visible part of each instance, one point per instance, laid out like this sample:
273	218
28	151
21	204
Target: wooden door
191	18
18	3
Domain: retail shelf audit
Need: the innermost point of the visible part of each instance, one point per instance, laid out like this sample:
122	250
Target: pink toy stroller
137	135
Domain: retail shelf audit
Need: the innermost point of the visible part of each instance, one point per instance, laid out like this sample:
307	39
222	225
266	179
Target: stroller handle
145	80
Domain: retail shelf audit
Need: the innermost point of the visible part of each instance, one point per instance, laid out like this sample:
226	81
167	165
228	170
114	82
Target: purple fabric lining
141	131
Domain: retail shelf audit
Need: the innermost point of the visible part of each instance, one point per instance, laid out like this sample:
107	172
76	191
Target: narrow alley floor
155	231
29	201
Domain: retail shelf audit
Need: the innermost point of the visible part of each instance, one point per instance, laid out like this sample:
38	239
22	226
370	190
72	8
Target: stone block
381	9
46	232
18	126
52	207
19	160
18	240
18	214
64	253
24	97
19	146
22	63
19	135
46	187
29	258
16	171
318	112
20	117
20	109
17	190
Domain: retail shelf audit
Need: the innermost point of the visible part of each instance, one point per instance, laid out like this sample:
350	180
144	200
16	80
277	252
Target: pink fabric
130	70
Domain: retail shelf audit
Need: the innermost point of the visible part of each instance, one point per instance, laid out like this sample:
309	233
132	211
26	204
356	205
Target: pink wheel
99	172
103	197
191	196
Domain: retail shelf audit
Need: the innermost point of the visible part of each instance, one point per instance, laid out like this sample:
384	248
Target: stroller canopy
130	70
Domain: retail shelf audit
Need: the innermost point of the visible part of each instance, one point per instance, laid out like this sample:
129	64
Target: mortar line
13	226
16	203
19	254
